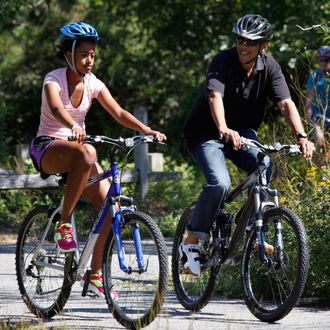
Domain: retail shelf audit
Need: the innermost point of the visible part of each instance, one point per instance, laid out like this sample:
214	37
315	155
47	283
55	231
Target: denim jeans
210	157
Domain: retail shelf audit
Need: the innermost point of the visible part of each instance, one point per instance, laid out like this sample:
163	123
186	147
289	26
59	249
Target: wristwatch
301	135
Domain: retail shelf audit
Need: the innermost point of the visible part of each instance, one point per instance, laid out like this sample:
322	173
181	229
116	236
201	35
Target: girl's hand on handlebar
232	136
161	137
78	133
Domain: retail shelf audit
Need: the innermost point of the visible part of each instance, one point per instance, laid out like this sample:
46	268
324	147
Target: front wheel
272	289
40	269
136	297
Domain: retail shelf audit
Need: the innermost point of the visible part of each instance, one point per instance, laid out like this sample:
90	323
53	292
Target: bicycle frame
110	205
253	207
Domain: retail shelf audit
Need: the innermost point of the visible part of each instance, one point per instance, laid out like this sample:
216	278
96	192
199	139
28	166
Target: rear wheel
140	295
271	290
40	274
193	292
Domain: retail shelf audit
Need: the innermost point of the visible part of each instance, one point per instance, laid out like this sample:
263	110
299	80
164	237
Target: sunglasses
247	42
325	60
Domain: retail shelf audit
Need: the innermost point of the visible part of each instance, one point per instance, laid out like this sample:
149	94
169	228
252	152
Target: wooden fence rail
13	180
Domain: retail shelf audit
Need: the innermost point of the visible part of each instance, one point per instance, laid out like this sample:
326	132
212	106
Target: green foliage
14	204
167	199
310	199
229	285
153	54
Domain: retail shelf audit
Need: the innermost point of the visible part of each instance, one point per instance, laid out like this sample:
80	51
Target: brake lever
295	150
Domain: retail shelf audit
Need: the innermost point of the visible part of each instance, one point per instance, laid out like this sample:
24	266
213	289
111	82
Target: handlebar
293	149
130	142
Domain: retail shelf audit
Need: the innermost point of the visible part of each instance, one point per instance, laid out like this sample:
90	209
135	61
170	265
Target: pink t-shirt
49	125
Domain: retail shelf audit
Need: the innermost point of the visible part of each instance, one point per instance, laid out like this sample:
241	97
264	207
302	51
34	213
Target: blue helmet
323	51
78	30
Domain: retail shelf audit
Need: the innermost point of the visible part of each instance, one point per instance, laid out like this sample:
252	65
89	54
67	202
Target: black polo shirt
244	98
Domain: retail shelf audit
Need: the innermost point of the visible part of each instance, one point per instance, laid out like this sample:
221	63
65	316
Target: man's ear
264	46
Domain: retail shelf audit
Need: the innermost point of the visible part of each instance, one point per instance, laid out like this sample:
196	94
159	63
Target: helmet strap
253	60
71	64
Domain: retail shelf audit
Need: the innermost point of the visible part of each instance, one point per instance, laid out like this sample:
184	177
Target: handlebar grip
152	139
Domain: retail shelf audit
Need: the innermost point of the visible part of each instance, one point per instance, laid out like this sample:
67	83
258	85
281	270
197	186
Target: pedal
56	218
233	261
85	290
91	294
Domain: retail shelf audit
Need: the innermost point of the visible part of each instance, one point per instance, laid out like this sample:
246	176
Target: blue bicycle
134	258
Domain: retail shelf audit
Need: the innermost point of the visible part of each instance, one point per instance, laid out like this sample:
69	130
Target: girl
67	96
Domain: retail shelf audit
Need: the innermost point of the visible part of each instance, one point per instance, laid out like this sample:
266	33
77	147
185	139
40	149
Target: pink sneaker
64	238
96	286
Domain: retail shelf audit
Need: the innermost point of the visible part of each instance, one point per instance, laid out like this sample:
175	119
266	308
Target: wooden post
22	153
141	155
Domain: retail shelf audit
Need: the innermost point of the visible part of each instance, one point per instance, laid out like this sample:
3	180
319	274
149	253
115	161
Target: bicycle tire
193	292
37	284
140	295
272	291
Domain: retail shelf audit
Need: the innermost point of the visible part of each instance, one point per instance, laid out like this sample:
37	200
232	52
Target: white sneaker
190	257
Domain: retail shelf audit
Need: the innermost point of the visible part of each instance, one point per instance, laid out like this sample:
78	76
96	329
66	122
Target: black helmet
254	27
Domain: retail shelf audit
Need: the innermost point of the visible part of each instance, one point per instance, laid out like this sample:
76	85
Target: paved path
85	313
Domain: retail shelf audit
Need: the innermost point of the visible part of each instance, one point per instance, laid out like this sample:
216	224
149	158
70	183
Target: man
238	83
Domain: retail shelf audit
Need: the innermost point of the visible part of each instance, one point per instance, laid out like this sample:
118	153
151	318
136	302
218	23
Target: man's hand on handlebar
307	148
232	136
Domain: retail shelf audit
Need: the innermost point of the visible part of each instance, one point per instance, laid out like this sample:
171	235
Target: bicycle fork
262	228
117	228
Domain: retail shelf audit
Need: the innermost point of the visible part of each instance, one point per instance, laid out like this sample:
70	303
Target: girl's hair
66	45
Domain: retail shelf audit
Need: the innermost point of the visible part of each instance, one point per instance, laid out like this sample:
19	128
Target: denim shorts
38	147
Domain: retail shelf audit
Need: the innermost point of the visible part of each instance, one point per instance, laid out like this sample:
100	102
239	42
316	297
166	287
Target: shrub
310	199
